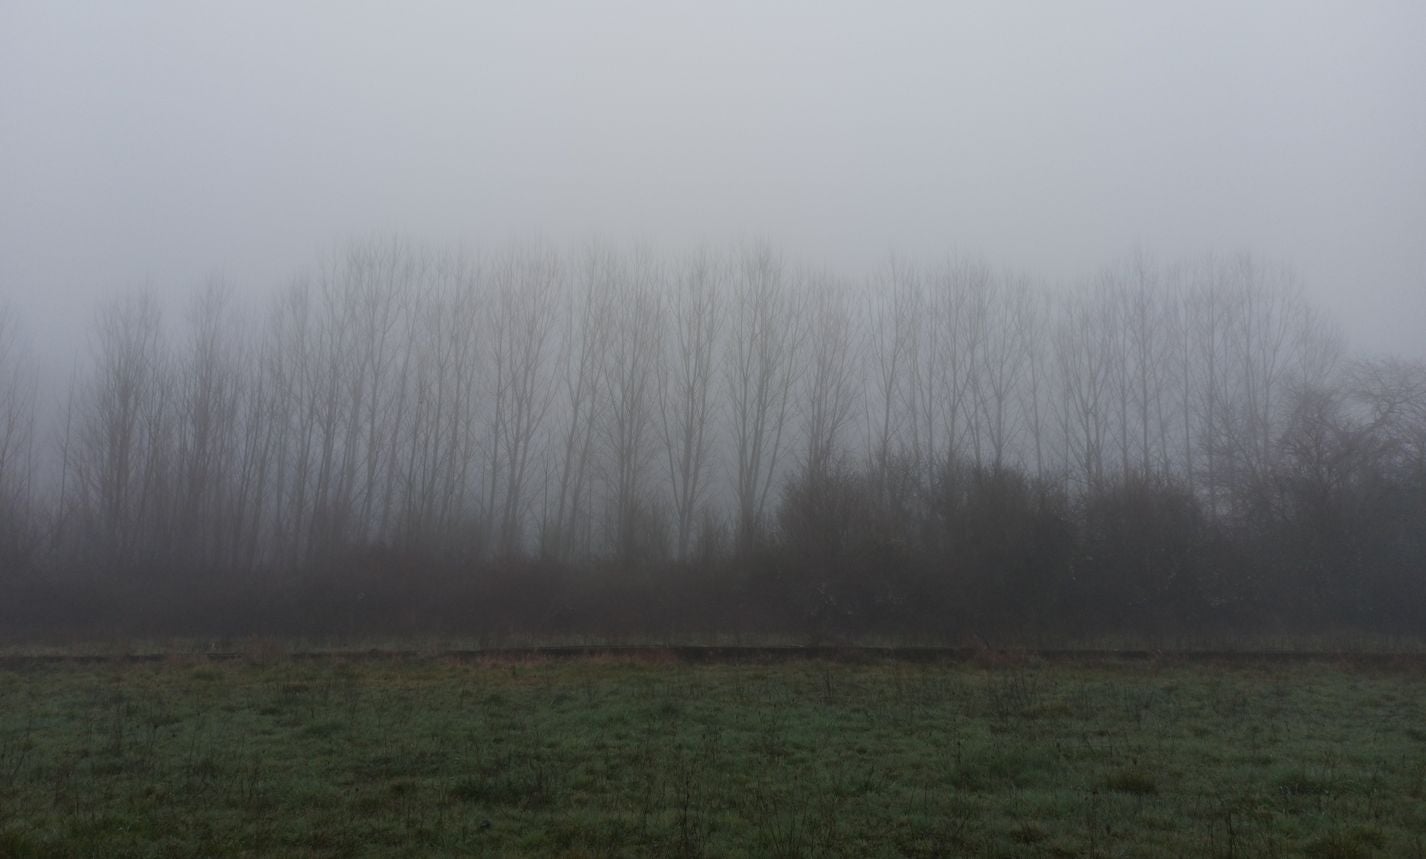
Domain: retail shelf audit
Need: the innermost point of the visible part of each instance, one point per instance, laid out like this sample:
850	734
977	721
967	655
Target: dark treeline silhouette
612	443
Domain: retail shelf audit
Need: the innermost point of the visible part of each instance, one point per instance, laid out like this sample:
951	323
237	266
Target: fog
809	320
155	144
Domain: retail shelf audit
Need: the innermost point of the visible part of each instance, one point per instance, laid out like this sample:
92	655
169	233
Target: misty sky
159	143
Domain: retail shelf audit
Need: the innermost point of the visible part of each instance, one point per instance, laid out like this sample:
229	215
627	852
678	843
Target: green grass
609	756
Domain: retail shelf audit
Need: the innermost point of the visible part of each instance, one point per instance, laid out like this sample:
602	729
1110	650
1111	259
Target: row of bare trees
401	407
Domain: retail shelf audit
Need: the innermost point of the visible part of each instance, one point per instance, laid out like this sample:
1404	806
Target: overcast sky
158	143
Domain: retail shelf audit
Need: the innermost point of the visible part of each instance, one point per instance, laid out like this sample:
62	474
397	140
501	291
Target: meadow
646	754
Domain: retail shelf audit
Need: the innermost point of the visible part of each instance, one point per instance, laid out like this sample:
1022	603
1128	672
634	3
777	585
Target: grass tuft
1134	781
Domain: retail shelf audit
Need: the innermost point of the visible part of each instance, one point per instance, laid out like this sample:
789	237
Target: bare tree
631	371
1030	315
255	476
209	388
1146	358
1256	338
441	430
384	276
1081	348
526	283
1001	364
1393	394
122	460
951	345
1208	310
18	401
685	388
587	330
316	388
894	302
830	377
765	337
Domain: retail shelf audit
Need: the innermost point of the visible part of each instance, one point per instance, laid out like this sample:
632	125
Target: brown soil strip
696	654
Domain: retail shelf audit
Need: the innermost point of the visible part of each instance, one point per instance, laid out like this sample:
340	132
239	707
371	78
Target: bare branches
124	435
767	330
830	378
526	286
404	409
18	402
631	370
686	388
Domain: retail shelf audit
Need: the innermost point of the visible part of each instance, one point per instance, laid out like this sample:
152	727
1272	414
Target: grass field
648	756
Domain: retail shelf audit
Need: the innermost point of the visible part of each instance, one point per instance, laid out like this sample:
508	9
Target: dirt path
696	654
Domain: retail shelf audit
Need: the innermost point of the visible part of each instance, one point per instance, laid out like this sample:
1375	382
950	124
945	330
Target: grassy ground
648	757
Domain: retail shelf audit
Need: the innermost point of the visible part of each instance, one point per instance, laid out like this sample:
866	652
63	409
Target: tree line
609	441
